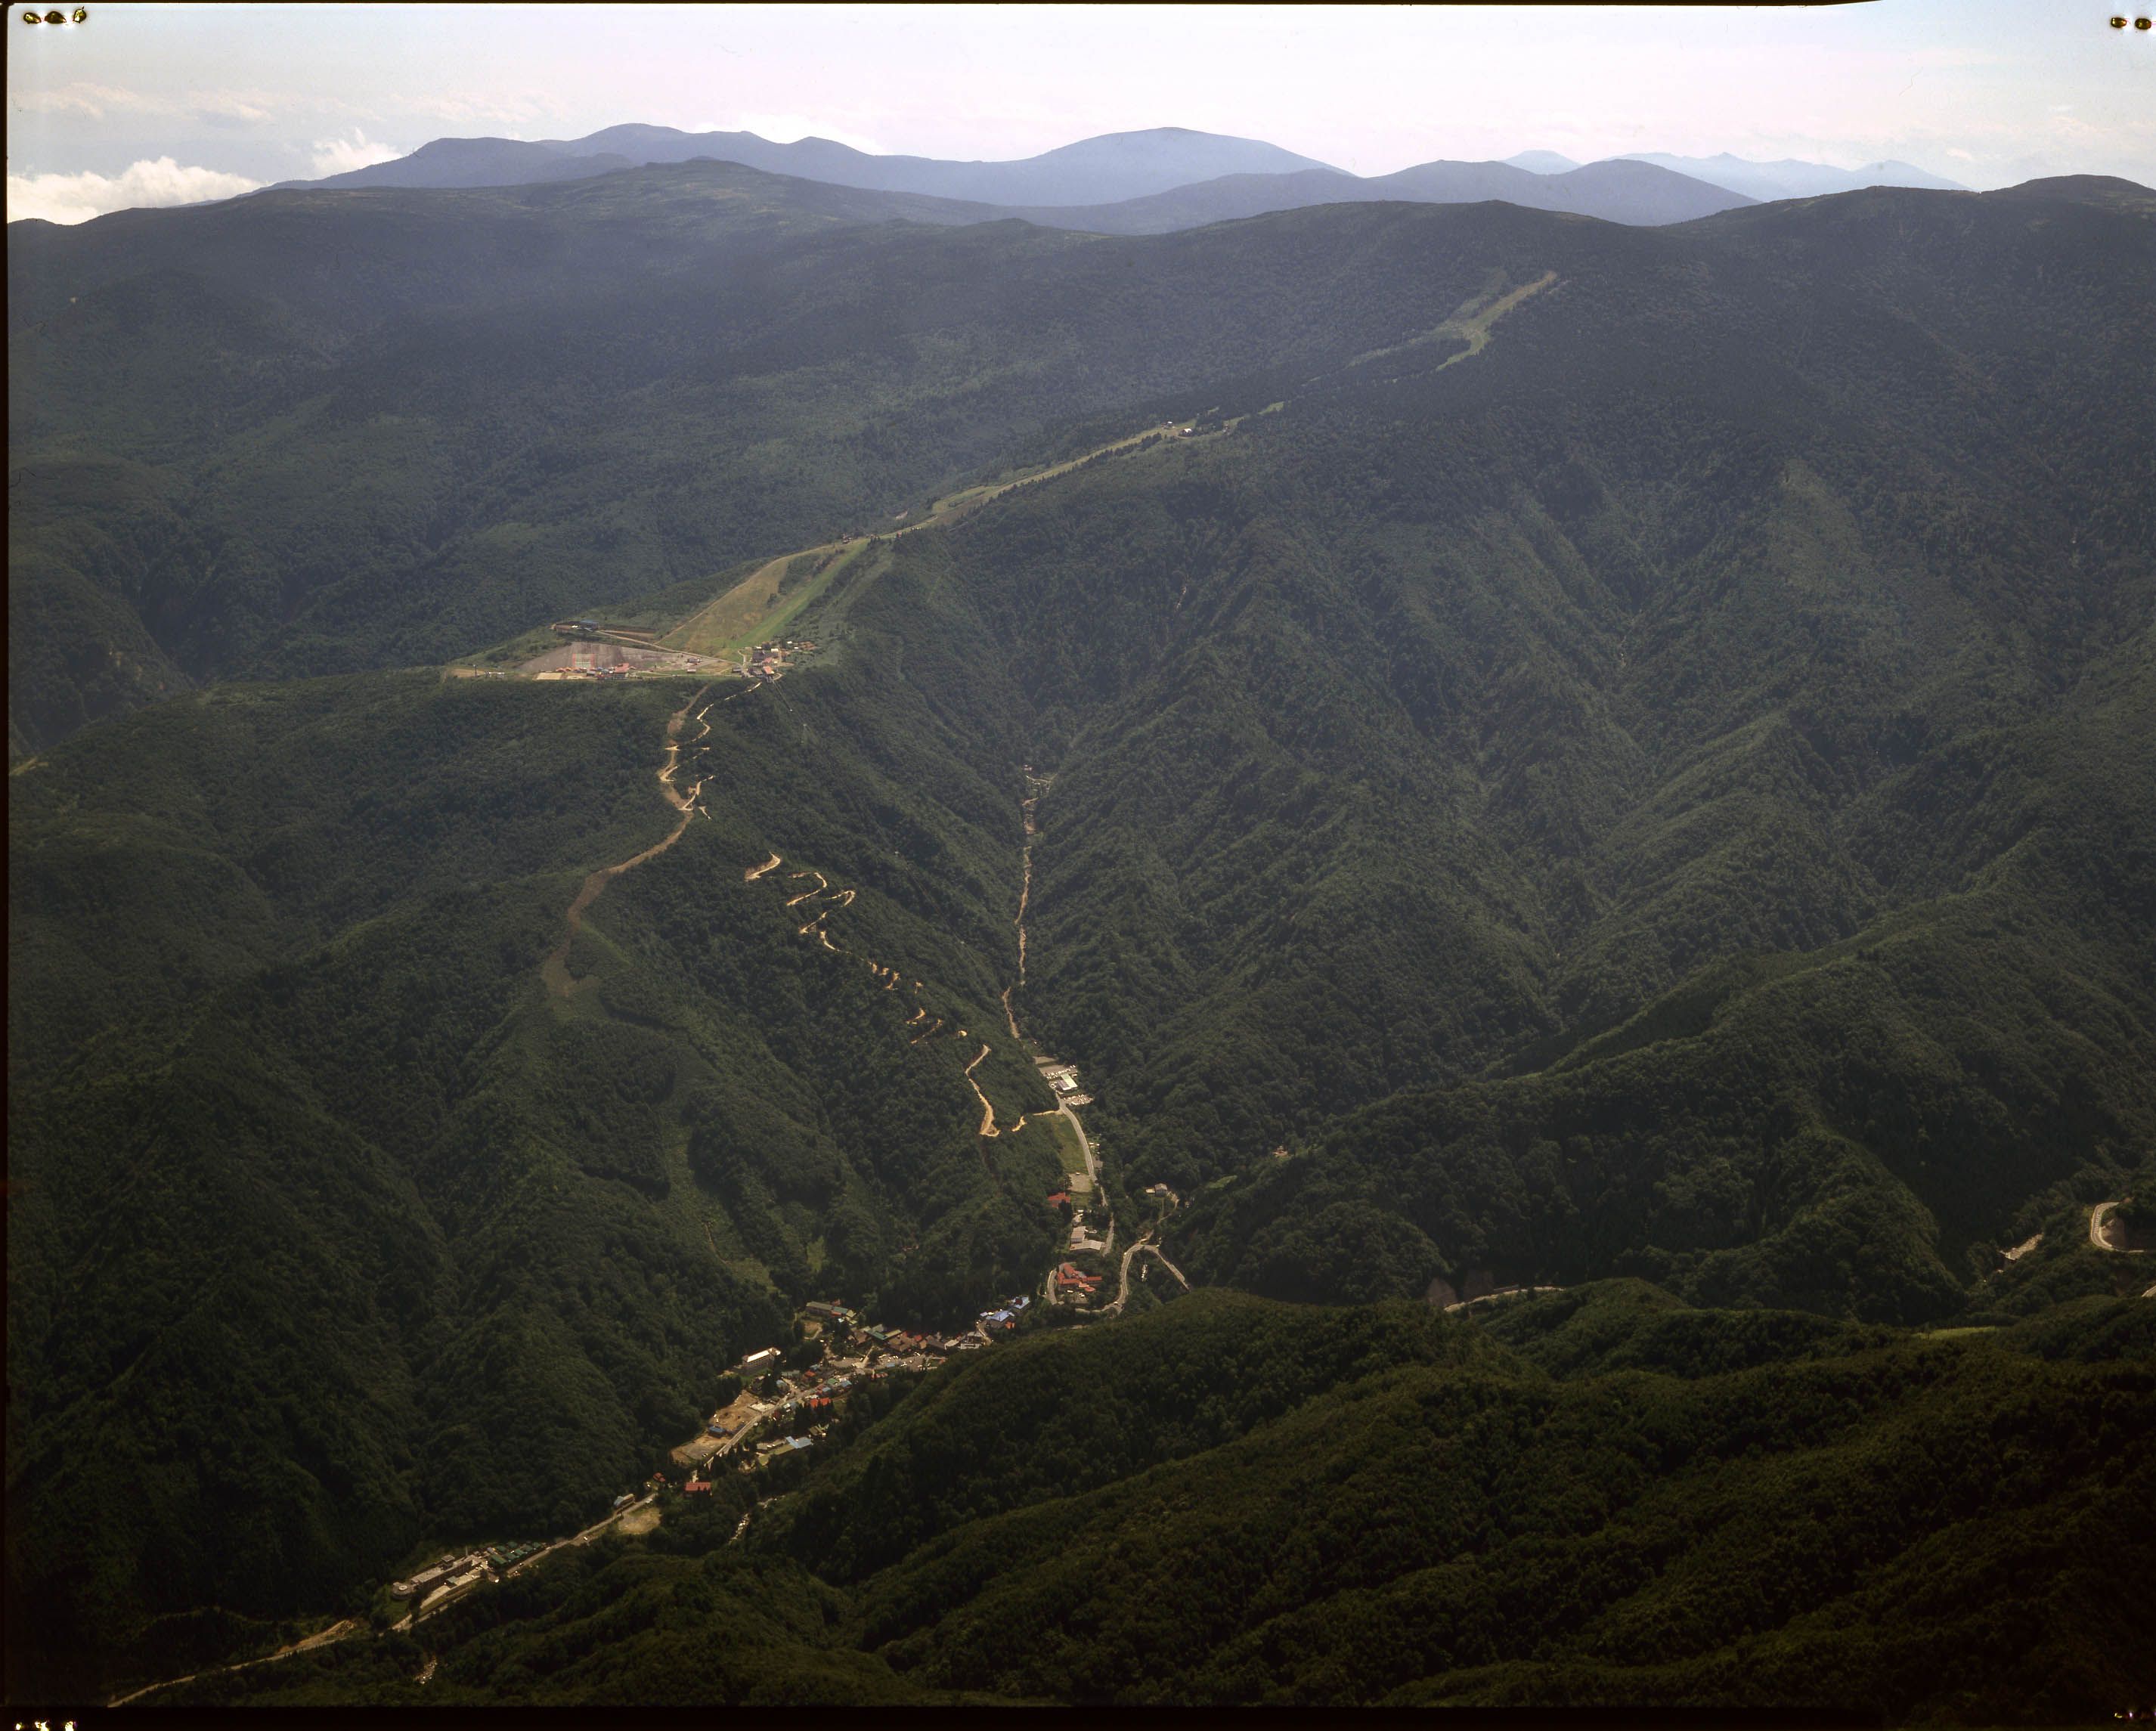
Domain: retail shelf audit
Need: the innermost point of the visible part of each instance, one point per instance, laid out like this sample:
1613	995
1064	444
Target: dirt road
1181	1279
1501	1292
555	969
1123	1286
987	1111
343	1630
2099	1224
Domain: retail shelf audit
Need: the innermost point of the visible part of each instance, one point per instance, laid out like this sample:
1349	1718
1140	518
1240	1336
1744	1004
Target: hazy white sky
147	104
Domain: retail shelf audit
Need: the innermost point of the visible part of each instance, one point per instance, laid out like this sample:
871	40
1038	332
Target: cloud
78	198
224	109
341	155
490	109
96	100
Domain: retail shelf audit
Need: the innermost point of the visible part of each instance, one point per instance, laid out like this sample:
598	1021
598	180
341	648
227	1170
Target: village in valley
780	1399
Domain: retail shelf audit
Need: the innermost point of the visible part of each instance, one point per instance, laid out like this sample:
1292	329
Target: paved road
1123	1289
585	1537
1123	1285
1085	1145
1093	1172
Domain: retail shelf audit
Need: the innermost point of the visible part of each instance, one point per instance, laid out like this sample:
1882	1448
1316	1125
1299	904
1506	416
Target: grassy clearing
744	613
1470	324
754	610
1068	1150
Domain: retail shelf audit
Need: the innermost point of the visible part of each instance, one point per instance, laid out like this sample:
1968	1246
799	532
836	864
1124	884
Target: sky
165	104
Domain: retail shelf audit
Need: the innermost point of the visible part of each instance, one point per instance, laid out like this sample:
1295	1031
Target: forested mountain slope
1602	1498
1614	751
316	431
1435	724
342	1178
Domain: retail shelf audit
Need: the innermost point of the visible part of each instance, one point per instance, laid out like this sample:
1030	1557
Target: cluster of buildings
1075	1284
781	1445
767	661
815	1390
1063	1078
451	1575
854	1351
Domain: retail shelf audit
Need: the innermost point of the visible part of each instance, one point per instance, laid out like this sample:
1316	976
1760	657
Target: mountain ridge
1791	178
1103	169
1118	182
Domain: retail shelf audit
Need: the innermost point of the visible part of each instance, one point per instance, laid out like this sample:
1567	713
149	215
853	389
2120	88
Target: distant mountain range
1765	182
1155	182
1793	179
1638	193
1147	183
1105	170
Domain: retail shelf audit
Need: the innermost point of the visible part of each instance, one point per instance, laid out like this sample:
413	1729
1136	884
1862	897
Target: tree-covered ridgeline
1601	1498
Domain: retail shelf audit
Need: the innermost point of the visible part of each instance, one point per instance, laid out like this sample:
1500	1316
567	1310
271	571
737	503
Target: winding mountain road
555	969
1123	1286
2098	1218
